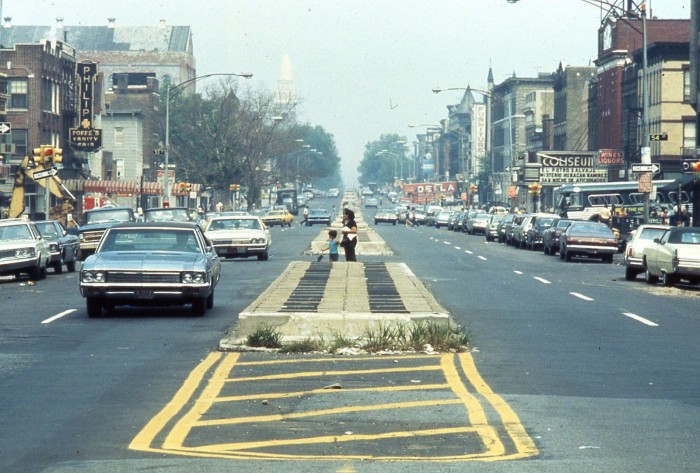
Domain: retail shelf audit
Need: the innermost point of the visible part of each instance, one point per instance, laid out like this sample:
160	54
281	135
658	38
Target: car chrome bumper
591	250
145	292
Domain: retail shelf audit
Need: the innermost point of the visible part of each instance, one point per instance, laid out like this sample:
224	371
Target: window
686	85
689	134
18	94
119	136
19	139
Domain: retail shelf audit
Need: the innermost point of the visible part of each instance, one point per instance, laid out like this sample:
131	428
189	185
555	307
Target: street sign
45	173
653	168
158	151
658	137
5	127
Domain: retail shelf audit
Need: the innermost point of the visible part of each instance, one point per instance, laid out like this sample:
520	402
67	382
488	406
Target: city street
574	369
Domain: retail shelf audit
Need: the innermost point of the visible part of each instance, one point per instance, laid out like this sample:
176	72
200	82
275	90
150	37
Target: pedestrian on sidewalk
332	247
349	231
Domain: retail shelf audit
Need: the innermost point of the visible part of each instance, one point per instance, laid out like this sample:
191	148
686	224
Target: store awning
111	187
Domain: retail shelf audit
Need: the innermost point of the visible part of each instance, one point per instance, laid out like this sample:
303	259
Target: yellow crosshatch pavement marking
409	408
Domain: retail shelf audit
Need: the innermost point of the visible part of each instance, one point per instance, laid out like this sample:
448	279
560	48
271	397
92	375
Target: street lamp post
168	89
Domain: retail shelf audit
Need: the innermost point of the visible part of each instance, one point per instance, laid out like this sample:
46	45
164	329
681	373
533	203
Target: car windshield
48	230
235	224
15	232
686	236
166	215
105	216
603	230
319	212
146	239
650	233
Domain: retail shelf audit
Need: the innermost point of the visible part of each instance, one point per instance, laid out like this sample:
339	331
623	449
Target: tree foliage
231	136
383	160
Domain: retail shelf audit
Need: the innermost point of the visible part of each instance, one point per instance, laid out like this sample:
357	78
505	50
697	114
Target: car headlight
25	252
93	276
53	248
193	278
81	236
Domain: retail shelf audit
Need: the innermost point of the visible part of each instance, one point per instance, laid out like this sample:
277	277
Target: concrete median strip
318	300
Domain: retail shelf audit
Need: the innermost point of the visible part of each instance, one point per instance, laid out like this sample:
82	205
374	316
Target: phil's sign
86	137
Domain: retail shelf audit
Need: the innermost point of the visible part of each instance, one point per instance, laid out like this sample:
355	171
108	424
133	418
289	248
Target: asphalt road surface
573	369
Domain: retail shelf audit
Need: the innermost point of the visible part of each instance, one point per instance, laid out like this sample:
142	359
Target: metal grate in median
309	291
382	292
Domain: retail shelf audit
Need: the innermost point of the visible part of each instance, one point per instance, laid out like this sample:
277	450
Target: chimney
112	21
163	24
59	23
8	22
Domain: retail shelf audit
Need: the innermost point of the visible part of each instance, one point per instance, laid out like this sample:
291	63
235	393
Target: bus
585	200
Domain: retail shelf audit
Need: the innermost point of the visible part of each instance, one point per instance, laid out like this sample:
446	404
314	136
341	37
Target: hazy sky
363	68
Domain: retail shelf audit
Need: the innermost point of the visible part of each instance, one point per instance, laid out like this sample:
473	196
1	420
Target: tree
383	160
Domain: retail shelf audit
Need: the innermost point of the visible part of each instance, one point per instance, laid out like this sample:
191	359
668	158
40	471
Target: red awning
152	188
111	187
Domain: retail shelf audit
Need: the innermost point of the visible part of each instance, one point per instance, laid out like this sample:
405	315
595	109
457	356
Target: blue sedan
151	264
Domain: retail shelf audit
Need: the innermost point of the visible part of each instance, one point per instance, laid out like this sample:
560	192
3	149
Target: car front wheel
93	306
199	307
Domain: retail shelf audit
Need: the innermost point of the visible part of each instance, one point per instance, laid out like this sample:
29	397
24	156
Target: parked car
150	264
333	192
319	216
516	229
454	220
492	227
478	223
278	217
419	217
673	257
385	216
97	221
22	249
501	228
240	236
535	234
641	238
63	246
585	238
509	226
551	236
443	218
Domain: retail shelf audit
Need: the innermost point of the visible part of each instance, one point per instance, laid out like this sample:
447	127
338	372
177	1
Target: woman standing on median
349	232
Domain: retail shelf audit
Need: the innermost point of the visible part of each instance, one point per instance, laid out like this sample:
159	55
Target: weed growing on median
265	336
397	336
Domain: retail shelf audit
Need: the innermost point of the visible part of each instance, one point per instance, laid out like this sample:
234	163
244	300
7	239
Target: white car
673	257
642	237
239	236
22	249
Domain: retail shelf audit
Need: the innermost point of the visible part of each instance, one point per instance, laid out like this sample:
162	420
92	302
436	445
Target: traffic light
473	188
188	187
235	187
48	153
57	155
535	189
691	166
181	187
38	155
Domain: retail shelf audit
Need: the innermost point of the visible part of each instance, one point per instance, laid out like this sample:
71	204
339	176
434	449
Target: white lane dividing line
542	280
447	242
640	319
580	296
469	252
58	316
518	272
483	258
458	247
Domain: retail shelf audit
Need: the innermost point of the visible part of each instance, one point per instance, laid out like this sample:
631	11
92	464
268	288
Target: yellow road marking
476	420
